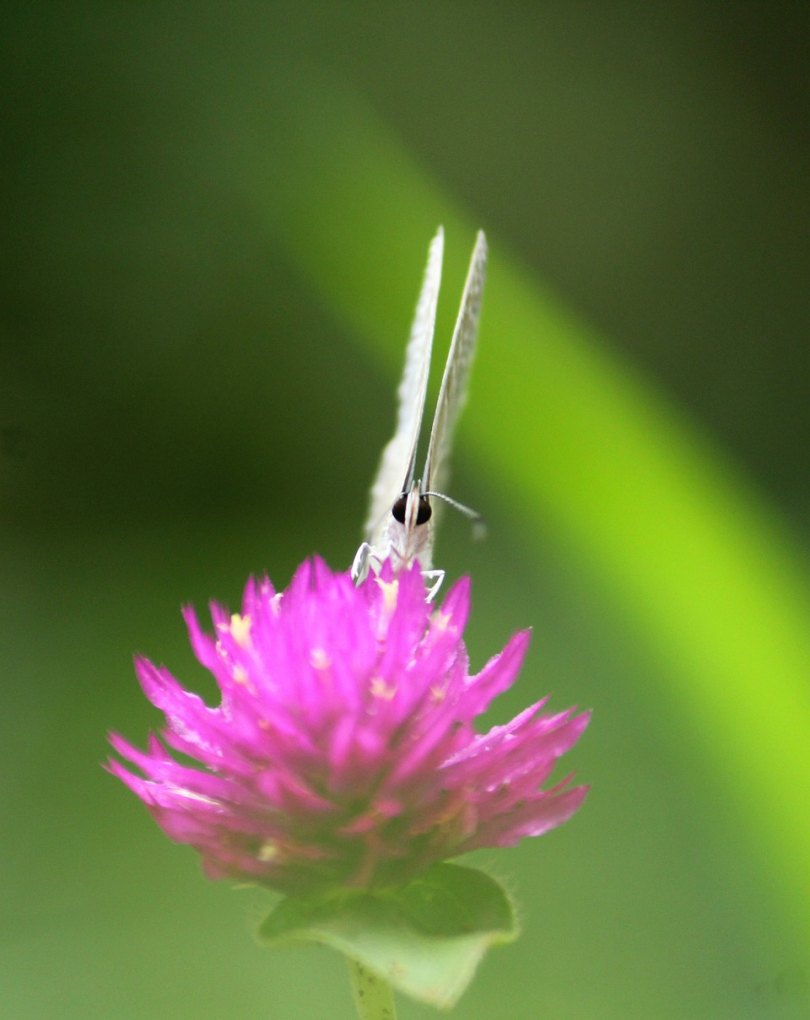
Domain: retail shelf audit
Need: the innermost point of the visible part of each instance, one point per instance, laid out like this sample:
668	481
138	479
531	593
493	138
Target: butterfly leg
360	563
365	559
437	579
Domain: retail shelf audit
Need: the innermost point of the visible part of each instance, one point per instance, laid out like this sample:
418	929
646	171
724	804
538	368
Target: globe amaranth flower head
343	750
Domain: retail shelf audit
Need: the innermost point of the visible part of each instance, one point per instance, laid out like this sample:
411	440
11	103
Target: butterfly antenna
479	524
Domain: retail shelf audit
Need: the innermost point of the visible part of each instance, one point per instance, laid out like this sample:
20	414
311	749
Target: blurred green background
214	227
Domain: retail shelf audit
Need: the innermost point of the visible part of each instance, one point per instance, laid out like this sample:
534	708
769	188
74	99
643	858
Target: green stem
373	997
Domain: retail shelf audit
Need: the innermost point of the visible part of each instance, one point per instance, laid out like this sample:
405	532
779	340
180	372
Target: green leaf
425	939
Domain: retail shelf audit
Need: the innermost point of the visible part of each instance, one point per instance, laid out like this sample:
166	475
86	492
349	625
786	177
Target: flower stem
373	997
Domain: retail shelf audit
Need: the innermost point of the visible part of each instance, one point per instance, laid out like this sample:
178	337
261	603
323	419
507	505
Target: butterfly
400	521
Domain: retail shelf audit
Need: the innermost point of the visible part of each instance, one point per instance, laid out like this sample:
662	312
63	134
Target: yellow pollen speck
240	676
268	851
441	620
240	630
438	693
380	689
319	659
390	590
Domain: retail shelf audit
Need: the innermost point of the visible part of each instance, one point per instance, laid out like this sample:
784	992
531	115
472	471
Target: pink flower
343	750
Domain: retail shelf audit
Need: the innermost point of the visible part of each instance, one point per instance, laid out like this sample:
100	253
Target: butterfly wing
397	463
453	392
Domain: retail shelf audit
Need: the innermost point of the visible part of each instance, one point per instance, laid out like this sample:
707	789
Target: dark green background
183	401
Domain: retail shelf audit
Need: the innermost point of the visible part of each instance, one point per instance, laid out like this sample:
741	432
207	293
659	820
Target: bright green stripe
688	550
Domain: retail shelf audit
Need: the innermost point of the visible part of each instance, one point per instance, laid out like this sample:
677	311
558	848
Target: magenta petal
500	672
535	818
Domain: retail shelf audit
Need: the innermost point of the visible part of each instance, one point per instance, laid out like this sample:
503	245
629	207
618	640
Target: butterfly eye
423	513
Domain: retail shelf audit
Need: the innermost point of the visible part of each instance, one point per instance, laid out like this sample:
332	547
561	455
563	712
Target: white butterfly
399	523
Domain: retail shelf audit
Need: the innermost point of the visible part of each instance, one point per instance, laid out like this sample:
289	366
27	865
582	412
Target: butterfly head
412	508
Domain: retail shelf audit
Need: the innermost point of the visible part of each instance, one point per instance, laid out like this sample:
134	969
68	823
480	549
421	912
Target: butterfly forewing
453	392
398	458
